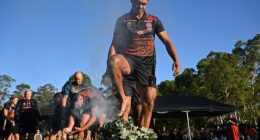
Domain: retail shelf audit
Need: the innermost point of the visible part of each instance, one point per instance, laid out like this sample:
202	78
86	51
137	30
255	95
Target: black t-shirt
27	112
136	37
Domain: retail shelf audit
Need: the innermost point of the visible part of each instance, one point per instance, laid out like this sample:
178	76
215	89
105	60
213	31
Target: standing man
134	34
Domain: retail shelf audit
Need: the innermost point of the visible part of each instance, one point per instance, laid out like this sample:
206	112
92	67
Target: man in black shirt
135	34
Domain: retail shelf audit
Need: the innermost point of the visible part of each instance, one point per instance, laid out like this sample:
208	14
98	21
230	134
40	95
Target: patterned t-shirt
136	37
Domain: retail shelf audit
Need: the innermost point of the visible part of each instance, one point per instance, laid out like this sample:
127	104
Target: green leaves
44	94
5	84
120	129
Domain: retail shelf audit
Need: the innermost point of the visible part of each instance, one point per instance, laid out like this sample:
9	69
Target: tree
44	94
223	77
249	52
185	83
166	87
5	84
19	92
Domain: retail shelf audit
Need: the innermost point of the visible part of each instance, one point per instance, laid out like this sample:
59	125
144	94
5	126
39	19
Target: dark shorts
130	89
142	69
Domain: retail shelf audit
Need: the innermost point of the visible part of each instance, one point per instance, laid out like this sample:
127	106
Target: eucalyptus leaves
122	130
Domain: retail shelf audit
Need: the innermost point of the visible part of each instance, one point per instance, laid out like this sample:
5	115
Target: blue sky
45	41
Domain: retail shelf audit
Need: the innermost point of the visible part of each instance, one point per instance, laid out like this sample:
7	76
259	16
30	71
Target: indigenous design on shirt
137	36
25	104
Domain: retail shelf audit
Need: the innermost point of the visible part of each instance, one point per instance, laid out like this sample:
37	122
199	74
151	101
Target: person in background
75	83
28	116
233	132
57	118
78	117
11	131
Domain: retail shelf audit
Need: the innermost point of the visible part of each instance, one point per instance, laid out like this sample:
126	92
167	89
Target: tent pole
188	121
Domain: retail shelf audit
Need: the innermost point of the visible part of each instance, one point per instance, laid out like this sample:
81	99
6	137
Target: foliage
5	84
120	129
166	87
19	92
185	82
44	94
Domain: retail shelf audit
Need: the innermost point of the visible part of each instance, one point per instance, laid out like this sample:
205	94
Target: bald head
78	77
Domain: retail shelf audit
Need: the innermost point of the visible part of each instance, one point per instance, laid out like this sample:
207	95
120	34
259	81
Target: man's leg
16	136
138	112
148	95
119	66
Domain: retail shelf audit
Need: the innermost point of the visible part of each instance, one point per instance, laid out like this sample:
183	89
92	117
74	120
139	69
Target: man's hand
176	68
69	131
79	129
123	107
13	123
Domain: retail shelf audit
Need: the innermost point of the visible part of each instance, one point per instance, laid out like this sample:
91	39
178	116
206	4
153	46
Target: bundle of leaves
122	130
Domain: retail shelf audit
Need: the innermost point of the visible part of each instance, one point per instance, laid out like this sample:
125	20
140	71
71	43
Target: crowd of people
20	118
80	109
230	130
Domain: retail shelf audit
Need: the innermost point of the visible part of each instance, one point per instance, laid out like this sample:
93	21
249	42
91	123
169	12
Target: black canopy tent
197	105
172	106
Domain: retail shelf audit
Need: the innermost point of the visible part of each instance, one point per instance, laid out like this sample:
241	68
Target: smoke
111	105
100	34
99	37
104	102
